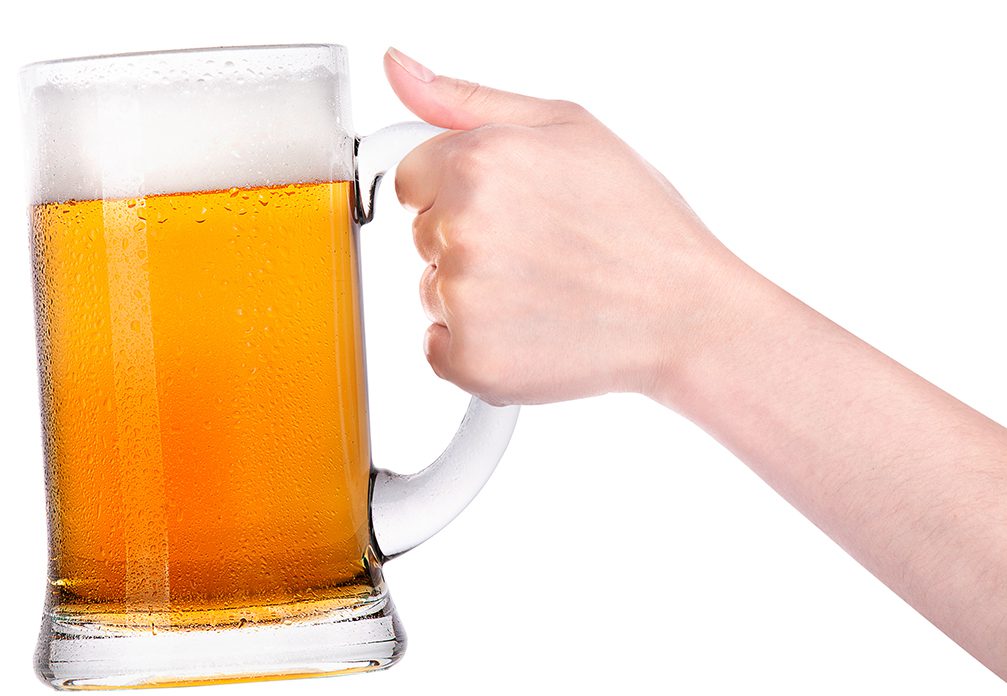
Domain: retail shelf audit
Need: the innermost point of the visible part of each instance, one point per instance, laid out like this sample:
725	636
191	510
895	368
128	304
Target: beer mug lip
136	64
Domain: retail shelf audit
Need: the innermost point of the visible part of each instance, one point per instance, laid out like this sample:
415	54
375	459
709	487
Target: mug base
75	655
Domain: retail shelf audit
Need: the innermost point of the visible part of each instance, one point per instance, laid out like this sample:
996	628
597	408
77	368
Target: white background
854	153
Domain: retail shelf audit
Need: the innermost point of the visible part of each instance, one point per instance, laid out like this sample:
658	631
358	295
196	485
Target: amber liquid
204	411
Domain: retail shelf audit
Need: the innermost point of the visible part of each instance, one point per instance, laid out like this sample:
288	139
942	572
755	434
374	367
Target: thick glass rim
58	64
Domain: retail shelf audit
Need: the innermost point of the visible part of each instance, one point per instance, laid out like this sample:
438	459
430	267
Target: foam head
200	120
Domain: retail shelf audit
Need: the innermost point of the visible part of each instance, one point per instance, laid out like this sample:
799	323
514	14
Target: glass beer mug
213	512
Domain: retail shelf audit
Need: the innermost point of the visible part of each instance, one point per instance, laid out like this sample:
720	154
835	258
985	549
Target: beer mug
213	512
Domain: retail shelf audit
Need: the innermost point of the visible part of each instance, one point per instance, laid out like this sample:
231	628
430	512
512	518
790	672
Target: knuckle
436	363
422	234
450	288
419	221
429	293
569	110
468	162
480	151
462	239
471	361
457	253
405	181
434	347
428	277
489	141
400	187
418	230
471	94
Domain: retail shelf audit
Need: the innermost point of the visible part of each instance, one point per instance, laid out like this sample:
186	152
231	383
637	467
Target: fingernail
417	70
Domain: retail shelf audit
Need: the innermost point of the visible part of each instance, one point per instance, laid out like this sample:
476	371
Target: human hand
562	264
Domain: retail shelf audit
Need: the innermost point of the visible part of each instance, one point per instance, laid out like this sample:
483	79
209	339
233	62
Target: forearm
907	479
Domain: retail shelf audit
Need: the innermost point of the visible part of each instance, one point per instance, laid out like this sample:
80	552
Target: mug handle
406	510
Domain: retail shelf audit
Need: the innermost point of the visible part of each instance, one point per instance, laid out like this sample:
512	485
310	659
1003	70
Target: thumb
457	104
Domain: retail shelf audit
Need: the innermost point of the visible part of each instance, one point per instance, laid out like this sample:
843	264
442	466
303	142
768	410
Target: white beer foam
111	129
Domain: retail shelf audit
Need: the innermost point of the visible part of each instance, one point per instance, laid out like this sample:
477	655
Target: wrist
716	307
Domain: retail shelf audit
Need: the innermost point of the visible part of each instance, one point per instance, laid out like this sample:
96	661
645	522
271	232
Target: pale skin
603	280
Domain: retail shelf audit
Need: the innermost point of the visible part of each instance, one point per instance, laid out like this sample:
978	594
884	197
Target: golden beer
204	412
